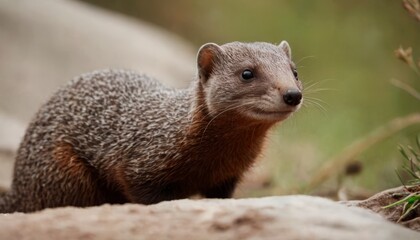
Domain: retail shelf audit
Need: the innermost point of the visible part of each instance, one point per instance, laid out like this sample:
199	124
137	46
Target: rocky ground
377	203
289	217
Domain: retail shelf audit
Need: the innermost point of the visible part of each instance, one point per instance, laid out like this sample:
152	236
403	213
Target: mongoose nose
292	97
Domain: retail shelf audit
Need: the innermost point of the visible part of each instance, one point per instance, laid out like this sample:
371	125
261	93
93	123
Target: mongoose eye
247	75
295	73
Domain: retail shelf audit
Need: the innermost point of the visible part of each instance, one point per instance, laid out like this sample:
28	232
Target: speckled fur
116	136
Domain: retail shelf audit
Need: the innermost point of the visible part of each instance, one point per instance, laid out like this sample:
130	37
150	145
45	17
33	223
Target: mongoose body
117	136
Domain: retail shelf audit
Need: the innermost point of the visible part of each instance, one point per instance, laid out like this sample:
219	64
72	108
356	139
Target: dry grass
413	8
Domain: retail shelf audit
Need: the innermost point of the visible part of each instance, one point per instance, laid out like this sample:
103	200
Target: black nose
292	97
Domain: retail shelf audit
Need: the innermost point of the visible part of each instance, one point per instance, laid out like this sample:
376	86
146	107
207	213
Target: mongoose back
115	136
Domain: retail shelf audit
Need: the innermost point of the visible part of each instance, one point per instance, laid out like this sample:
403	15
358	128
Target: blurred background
344	51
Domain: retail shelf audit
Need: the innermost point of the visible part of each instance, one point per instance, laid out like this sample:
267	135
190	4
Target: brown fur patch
223	147
120	179
74	165
69	160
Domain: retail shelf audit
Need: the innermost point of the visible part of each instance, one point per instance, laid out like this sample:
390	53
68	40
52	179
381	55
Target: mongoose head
258	81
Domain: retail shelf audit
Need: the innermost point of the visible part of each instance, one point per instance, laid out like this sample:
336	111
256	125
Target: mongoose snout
292	97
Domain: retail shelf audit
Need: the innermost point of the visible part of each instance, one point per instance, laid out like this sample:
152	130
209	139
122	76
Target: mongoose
115	136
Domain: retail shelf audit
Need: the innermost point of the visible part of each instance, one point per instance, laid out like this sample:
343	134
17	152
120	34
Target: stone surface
11	133
289	217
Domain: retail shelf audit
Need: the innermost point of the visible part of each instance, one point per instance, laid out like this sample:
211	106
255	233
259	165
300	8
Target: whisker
317	100
307	57
318	90
311	85
318	106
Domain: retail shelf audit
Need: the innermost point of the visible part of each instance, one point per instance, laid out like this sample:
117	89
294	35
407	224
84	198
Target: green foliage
412	167
410	204
412	164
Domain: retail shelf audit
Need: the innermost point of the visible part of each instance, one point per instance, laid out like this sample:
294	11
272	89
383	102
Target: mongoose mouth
267	115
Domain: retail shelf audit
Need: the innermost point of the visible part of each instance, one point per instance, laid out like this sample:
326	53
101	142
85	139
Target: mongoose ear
286	48
208	55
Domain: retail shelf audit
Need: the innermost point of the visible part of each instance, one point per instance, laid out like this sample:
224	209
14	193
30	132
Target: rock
44	44
11	133
288	217
377	202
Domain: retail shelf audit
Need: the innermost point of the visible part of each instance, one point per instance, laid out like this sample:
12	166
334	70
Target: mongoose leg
223	190
151	193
